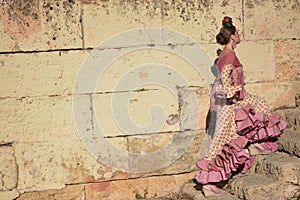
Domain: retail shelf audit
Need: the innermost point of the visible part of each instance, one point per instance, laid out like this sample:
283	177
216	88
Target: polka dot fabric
243	120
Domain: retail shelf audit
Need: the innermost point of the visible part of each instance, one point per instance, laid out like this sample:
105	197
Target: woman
241	125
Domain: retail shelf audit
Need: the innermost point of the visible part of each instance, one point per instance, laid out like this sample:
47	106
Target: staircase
272	177
275	176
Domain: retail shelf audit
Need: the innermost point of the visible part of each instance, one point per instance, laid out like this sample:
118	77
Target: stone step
280	166
195	193
259	187
289	142
291	116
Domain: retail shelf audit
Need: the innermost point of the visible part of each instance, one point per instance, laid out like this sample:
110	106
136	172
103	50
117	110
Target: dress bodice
232	75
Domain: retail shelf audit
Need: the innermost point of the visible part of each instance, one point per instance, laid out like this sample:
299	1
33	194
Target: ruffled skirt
252	127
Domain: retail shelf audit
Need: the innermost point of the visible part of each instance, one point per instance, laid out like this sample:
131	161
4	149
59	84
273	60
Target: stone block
9	194
113	18
40	25
150	153
39	74
8	168
80	164
57	119
178	156
195	192
287	59
291	116
279	20
203	16
182	179
131	189
29	74
39	166
258	60
280	166
254	186
145	144
274	91
11	118
75	192
194	105
132	113
150	68
70	63
289	142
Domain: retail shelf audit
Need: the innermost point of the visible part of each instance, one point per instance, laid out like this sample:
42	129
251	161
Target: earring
233	45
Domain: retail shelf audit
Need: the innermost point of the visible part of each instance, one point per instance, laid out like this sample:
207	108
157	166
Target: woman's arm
229	82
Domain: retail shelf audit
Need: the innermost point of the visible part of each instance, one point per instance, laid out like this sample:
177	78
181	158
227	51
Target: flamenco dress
237	120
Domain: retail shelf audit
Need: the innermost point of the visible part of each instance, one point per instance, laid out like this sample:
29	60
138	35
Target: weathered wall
43	45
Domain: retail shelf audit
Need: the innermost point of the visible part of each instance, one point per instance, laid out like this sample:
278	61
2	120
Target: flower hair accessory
227	22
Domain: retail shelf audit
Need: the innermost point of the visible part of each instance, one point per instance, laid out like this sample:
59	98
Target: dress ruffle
252	127
233	158
258	127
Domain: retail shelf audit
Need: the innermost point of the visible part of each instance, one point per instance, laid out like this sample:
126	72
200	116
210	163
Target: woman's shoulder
225	53
227	58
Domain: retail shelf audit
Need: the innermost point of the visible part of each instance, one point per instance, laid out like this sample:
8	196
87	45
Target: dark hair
226	31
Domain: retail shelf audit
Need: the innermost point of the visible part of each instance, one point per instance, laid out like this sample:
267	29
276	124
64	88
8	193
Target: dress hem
252	127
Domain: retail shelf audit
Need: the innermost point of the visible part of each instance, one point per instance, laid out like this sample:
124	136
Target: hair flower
227	21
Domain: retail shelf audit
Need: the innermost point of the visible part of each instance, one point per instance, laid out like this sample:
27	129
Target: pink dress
239	119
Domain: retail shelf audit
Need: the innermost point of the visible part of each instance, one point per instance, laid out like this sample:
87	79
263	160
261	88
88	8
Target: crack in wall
17	166
146	45
82	25
243	19
6	144
133	178
63	95
92	112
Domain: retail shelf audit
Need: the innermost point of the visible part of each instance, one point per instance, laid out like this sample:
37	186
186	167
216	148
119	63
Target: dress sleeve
229	81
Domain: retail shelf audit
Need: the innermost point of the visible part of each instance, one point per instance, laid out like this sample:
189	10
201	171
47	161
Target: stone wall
45	153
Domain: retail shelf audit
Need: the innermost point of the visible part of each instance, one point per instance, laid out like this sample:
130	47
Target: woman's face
237	38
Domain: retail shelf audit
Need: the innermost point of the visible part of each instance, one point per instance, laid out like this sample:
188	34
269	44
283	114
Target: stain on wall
20	18
186	10
62	20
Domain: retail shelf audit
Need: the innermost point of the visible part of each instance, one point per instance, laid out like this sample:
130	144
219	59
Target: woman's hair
226	31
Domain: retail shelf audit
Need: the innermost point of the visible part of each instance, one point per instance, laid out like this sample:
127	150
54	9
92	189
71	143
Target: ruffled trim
252	127
234	158
258	127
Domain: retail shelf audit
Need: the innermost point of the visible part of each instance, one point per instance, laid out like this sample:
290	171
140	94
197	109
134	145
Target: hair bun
221	39
227	21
